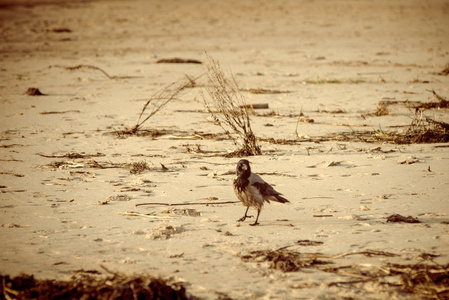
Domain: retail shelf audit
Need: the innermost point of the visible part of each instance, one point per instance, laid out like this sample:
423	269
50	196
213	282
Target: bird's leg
245	216
257	218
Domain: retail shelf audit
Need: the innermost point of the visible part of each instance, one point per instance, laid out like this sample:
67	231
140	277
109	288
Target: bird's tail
279	198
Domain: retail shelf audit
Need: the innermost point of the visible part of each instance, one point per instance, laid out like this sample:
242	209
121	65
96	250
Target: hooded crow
253	191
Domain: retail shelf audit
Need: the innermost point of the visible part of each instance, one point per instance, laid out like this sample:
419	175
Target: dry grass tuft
382	106
138	167
421	130
228	107
424	130
431	281
425	279
382	110
283	260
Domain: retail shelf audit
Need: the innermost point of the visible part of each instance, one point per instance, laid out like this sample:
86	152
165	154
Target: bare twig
443	102
78	67
136	214
162	98
188	203
445	71
367	253
109	271
177	60
59	112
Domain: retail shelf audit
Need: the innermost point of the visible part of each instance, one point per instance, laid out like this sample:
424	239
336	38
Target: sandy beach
70	178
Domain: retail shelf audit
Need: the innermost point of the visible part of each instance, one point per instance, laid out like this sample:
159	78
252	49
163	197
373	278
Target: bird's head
243	168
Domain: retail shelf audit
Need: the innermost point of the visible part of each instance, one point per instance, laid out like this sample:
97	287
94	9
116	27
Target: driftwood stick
255	106
188	203
109	271
78	67
136	214
366	253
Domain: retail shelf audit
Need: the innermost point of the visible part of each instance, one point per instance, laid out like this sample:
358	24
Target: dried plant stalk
160	99
228	107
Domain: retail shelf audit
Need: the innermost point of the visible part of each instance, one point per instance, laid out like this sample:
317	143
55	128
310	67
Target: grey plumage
253	191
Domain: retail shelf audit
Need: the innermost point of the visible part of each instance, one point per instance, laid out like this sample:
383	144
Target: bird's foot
243	218
254	224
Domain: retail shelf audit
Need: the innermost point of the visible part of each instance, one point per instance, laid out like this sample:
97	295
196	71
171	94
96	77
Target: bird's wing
253	178
266	190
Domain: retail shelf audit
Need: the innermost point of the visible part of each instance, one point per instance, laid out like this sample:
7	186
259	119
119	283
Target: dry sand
336	60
